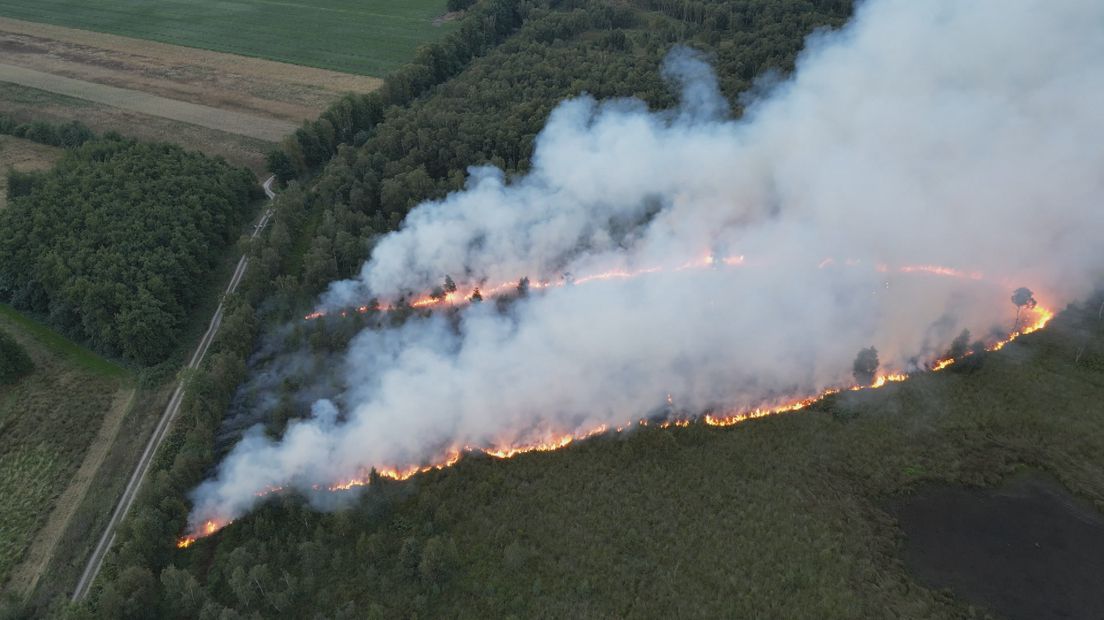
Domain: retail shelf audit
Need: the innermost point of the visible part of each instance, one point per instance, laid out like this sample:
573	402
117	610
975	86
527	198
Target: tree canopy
110	246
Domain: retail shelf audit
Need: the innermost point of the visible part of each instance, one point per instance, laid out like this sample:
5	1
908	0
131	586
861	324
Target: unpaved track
239	123
95	562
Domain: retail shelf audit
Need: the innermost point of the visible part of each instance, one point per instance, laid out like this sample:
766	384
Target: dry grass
24	156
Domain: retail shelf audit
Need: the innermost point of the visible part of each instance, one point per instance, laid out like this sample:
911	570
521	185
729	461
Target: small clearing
24	156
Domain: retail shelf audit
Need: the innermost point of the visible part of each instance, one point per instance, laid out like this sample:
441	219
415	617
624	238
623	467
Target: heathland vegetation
780	517
370	38
111	245
49	409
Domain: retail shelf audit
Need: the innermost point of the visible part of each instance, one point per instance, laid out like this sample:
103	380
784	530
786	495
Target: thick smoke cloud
958	133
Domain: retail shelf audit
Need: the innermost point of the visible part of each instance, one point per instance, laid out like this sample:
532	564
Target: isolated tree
476	296
450	286
280	164
1023	298
866	366
523	287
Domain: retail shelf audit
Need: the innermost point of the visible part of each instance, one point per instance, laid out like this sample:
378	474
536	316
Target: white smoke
965	134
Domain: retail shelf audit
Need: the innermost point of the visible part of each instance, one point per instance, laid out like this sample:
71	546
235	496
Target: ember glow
464	295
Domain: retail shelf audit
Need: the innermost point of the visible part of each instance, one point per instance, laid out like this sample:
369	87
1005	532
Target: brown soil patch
25	576
227	81
24	156
1027	549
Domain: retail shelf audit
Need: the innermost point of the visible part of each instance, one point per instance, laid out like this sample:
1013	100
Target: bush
14	361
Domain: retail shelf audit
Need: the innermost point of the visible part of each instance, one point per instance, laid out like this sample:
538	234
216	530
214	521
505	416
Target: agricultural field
23	156
221	104
55	427
361	37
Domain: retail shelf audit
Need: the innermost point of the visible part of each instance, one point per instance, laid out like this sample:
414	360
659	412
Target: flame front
1039	316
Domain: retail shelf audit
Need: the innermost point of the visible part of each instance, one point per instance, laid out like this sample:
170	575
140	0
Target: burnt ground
1026	549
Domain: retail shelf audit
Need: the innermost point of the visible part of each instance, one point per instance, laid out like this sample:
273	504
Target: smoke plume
965	134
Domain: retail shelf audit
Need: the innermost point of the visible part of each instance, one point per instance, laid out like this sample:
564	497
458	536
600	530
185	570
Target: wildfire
464	296
1038	318
209	527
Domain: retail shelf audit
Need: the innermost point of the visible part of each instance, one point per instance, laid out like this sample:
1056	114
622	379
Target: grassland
367	37
24	156
47	421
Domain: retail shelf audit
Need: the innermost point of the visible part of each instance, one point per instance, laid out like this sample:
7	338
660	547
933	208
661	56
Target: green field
47	422
369	37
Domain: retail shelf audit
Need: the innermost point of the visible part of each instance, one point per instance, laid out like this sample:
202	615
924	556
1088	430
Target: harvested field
24	156
222	104
238	83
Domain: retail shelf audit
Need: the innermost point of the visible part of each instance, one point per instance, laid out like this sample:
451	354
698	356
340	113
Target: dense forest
479	96
14	361
111	245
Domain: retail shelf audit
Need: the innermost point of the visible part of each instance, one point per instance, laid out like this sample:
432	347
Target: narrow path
95	562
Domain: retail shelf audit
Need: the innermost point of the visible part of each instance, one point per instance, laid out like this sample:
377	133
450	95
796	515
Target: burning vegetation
1030	317
881	199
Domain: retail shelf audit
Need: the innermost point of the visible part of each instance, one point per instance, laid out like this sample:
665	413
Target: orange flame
206	529
1041	317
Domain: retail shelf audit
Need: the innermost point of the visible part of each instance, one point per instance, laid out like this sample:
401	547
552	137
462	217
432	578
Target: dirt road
163	426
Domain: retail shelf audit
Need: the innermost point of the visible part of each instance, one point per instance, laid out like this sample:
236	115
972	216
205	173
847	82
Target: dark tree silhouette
450	286
1023	298
523	287
476	296
960	345
866	366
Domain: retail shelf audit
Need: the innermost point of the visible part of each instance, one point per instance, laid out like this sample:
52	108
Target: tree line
111	246
69	134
